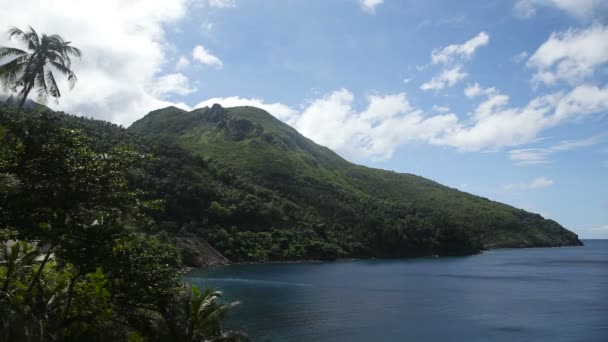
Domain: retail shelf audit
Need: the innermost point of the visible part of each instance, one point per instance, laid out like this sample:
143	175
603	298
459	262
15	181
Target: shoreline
187	269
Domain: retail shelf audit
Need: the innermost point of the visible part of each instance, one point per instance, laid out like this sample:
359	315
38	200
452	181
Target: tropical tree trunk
40	268
26	92
70	295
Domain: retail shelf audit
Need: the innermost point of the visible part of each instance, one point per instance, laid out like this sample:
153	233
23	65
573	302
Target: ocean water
540	294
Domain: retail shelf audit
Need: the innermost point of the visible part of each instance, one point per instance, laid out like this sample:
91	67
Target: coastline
187	269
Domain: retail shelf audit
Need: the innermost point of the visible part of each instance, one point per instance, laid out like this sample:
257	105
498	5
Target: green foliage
260	191
81	257
198	317
326	206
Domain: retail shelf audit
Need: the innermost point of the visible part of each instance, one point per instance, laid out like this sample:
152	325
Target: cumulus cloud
202	55
279	110
375	132
571	56
172	84
474	90
459	51
582	101
222	3
446	78
453	57
182	63
369	6
390	120
536	156
494	124
120	61
577	8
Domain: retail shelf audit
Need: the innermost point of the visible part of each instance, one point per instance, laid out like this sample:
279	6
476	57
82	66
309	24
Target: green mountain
324	206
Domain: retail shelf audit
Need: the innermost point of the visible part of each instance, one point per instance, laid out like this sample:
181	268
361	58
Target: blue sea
538	294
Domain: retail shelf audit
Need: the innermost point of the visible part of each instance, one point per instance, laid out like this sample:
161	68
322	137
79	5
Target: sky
503	99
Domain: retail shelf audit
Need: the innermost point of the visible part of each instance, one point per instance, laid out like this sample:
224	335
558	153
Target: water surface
553	294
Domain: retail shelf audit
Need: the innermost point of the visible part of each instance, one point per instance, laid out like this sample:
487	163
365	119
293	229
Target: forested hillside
83	255
257	190
346	209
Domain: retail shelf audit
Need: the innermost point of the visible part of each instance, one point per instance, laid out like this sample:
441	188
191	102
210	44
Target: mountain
13	101
350	210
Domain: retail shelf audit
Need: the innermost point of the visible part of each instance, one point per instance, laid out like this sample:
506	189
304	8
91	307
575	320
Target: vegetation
34	68
91	215
81	256
310	203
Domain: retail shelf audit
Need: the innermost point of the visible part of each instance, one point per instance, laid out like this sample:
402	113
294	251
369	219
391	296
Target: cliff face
197	252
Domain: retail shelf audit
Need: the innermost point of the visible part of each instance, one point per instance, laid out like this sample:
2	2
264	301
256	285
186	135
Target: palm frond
11	72
43	90
33	38
30	38
16	32
67	72
53	88
72	51
9	51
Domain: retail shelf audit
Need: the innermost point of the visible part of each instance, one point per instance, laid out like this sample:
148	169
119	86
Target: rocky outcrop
197	252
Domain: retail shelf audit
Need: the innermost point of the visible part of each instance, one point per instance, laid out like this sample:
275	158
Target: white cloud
541	182
387	122
453	55
459	51
494	124
279	110
447	78
375	132
390	120
520	57
441	109
581	102
222	3
369	6
577	8
202	55
182	63
537	183
172	84
536	156
407	80
120	61
474	90
525	9
571	56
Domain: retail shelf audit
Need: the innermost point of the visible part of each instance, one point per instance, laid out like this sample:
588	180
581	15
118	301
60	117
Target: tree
197	316
34	68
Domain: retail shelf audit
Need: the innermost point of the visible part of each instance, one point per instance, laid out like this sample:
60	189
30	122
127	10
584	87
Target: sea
535	294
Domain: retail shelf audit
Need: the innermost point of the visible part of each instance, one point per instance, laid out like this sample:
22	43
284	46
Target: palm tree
196	316
34	68
203	318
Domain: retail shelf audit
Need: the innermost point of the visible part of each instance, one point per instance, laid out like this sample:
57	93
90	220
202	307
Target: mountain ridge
276	156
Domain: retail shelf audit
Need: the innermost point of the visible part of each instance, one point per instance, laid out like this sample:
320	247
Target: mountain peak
276	156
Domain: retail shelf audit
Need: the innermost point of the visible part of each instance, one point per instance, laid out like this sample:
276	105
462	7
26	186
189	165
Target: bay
557	294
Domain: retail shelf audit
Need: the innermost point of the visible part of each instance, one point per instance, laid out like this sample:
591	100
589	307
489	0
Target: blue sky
503	99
